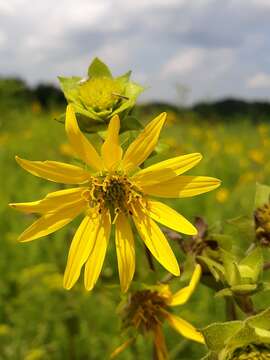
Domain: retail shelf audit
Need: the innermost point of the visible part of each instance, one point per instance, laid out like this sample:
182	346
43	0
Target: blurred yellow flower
257	156
36	107
249	176
66	150
113	192
222	195
146	310
171	118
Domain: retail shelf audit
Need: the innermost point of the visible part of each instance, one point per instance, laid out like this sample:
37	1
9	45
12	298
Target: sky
180	50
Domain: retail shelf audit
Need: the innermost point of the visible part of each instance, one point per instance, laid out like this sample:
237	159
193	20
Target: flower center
252	352
262	224
145	311
101	93
113	192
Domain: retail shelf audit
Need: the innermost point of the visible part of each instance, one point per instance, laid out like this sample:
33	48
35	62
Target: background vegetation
41	320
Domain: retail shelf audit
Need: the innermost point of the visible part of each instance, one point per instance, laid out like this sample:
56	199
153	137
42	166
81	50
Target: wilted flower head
100	96
262	224
146	310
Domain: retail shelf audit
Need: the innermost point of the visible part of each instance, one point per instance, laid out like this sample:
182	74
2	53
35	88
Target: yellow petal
139	150
185	328
125	250
169	217
55	171
111	150
182	186
155	240
51	202
166	170
183	295
96	258
52	222
80	144
80	249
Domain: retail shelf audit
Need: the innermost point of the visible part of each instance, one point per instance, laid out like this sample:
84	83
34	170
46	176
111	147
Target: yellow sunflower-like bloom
112	190
146	310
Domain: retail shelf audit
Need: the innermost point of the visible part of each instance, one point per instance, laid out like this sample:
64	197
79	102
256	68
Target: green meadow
38	318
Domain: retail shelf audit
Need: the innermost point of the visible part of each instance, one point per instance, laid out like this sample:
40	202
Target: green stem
230	309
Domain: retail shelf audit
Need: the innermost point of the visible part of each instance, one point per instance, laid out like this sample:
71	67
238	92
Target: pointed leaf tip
97	68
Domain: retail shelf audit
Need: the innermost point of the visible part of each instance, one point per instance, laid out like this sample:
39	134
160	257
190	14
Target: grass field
41	320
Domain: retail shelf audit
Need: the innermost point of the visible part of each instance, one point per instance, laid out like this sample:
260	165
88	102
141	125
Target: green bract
242	277
101	96
248	339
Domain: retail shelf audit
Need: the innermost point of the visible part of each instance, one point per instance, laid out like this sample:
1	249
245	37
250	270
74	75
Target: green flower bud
100	97
242	277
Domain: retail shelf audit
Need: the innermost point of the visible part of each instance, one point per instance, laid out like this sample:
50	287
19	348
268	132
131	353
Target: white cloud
211	61
161	41
3	39
259	80
184	62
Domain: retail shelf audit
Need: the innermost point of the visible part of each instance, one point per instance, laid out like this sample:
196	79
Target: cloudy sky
213	48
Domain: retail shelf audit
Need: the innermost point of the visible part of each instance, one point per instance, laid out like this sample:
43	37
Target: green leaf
123	79
262	195
130	123
254	260
224	292
133	90
210	356
98	69
265	286
217	335
70	87
232	273
261	320
216	269
243	223
224	241
244	289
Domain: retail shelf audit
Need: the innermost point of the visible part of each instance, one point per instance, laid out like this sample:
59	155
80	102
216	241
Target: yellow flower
146	310
222	195
113	190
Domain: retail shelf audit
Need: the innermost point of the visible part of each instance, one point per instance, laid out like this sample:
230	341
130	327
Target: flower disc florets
101	93
262	223
145	311
114	192
251	352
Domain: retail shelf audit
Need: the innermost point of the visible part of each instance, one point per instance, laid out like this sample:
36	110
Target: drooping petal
169	217
52	222
155	240
182	186
96	258
81	246
160	344
80	144
165	170
51	202
139	150
183	295
111	150
122	347
55	171
185	329
125	250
